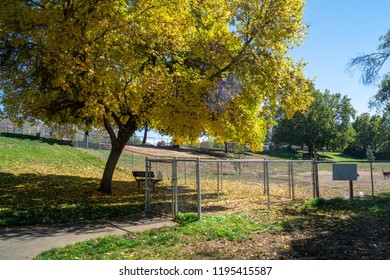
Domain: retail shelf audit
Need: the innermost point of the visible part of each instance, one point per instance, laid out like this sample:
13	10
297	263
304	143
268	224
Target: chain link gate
159	198
178	191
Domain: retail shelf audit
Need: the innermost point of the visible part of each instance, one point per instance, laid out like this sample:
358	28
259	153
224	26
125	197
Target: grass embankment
45	182
316	229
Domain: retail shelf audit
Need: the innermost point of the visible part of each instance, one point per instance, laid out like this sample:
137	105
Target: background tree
370	135
371	64
119	63
381	100
326	123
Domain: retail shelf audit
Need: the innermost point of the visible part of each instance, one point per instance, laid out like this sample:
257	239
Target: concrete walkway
26	243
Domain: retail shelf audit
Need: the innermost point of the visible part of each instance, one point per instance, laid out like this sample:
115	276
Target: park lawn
315	229
286	155
45	182
337	156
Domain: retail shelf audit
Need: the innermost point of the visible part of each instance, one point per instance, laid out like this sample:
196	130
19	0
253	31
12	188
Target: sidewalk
26	243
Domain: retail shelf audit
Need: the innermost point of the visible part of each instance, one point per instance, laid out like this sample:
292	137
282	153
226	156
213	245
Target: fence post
219	178
289	178
185	172
174	187
313	178
266	176
198	189
265	180
147	194
317	179
316	187
291	181
372	181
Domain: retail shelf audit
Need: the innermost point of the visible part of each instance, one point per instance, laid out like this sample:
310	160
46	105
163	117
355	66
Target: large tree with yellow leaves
183	66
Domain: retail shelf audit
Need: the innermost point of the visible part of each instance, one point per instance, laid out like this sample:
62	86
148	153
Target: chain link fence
373	179
210	186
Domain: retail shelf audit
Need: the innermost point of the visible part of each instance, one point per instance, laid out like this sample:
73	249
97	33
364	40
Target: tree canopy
370	135
326	123
381	100
120	63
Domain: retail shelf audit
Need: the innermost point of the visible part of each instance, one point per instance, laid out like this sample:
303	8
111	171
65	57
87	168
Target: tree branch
109	129
369	65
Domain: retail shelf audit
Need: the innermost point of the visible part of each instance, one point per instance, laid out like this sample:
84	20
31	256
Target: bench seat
140	176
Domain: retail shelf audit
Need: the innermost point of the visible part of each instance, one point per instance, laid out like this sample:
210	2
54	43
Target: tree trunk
118	143
145	134
311	150
226	147
86	134
112	161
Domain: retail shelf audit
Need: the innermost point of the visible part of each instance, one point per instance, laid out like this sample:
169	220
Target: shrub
186	218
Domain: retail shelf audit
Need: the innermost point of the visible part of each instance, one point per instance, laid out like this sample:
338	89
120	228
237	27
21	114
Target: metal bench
140	176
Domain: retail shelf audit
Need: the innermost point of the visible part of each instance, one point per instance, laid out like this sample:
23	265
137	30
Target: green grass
45	182
336	156
377	205
286	155
201	239
168	242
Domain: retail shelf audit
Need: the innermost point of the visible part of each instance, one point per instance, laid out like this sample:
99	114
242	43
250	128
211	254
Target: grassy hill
38	156
46	182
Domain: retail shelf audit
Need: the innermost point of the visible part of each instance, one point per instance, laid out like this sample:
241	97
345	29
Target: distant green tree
381	100
370	132
383	151
326	123
372	136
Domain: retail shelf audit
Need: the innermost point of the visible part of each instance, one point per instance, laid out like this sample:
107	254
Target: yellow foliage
161	61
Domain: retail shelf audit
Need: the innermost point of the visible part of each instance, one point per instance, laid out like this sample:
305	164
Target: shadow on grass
34	199
347	230
36	138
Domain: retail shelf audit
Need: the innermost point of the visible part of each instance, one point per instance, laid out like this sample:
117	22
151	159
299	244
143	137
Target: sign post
351	189
345	172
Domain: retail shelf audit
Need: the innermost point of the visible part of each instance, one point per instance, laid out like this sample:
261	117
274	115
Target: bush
186	218
315	202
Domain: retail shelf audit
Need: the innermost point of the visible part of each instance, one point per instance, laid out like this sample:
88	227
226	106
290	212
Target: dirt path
172	152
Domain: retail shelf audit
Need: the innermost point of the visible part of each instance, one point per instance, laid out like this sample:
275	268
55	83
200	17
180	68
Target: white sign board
345	172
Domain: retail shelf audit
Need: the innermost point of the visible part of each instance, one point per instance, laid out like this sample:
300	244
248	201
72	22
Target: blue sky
340	30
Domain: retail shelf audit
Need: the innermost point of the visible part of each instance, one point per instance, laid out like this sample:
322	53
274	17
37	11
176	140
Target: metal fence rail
210	186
